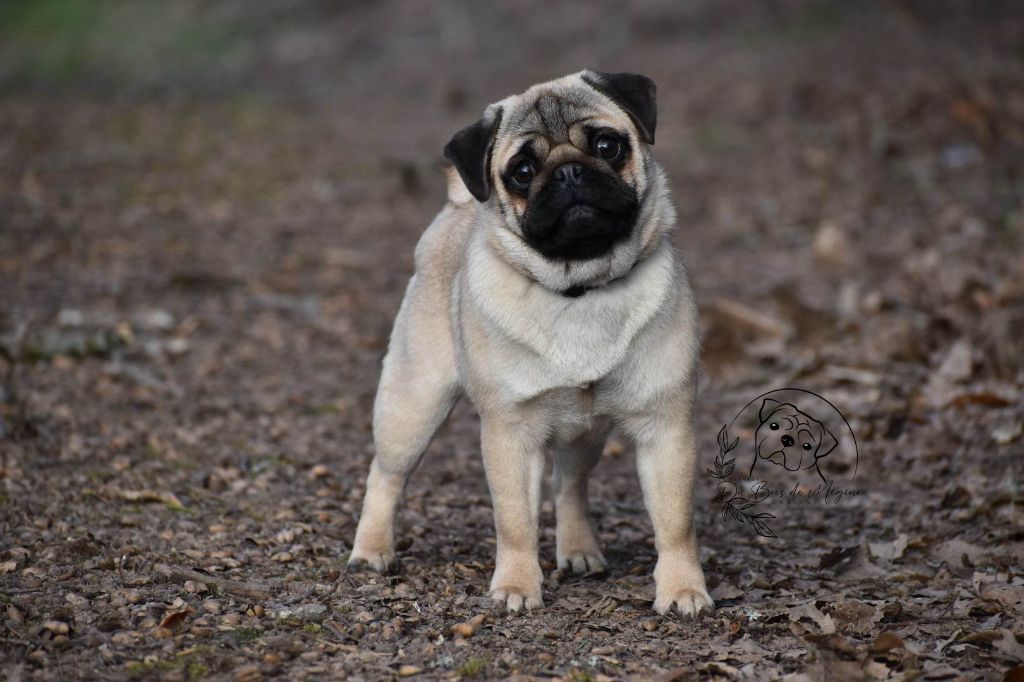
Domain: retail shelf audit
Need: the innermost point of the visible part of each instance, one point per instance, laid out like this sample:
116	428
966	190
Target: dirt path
197	283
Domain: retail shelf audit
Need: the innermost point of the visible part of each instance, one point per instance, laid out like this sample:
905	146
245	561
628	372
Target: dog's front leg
514	463
666	462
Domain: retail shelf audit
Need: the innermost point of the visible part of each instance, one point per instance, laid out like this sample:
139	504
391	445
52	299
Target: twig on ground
235	587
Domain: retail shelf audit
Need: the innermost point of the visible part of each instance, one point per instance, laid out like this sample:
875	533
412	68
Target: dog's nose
787	441
569	173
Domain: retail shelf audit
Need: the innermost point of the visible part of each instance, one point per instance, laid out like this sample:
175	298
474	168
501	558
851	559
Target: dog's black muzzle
580	213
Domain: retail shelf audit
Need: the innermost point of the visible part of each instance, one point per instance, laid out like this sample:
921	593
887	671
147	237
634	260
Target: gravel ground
200	259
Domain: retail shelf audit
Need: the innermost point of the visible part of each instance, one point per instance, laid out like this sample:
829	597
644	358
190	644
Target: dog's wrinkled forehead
798	417
551	113
551	109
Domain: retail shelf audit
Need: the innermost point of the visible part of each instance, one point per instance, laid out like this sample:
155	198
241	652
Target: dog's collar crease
580	289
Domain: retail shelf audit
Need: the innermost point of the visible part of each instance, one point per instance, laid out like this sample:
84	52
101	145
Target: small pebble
464	630
56	627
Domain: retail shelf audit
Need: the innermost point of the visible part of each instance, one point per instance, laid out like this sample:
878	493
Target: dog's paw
517	583
516	600
583	563
372	560
685	601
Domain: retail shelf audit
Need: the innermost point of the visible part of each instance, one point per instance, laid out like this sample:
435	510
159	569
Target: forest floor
197	285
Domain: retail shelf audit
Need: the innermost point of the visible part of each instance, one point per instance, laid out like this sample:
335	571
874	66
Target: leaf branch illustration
734	505
723	467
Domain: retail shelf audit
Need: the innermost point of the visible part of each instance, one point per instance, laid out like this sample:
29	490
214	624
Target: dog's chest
532	341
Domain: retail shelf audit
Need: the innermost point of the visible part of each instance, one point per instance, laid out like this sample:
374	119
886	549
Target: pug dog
790	438
547	292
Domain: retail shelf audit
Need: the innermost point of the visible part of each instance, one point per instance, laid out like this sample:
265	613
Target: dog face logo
790	438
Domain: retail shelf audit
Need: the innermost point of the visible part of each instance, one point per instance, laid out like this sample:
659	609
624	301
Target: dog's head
565	167
790	438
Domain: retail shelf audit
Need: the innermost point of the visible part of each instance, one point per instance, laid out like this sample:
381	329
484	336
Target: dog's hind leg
577	549
417	391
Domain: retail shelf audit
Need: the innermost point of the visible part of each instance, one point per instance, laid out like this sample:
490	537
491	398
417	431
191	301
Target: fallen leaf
172	619
889	551
736	314
854	616
958	363
141	496
1014	674
1011	597
726	592
836	555
1009	645
833	642
885	642
824	622
954	552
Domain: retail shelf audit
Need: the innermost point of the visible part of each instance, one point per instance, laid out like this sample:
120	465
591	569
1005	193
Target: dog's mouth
583	222
582	232
779	457
580	212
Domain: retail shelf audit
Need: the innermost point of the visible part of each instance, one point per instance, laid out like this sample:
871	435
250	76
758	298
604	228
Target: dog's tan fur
483	317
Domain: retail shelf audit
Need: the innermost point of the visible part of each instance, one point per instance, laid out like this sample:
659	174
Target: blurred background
208	212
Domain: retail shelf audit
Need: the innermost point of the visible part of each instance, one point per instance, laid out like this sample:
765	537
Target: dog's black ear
470	152
636	95
828	442
767	408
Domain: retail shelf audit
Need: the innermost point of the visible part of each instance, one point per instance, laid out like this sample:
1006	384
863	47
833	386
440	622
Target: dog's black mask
580	213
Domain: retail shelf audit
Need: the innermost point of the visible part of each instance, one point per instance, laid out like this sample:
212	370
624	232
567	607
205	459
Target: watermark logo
786	448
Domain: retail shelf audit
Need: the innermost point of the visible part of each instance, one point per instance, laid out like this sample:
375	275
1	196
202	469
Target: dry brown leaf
1008	644
172	619
1011	597
885	642
142	496
854	616
955	552
824	622
889	551
736	314
248	673
833	642
1014	674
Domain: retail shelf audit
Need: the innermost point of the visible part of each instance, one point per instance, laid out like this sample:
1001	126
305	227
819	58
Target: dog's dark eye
773	426
607	146
522	174
807	446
